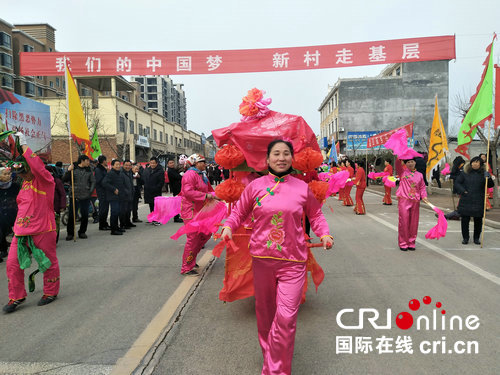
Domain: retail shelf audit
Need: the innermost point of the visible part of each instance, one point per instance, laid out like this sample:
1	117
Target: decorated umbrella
243	147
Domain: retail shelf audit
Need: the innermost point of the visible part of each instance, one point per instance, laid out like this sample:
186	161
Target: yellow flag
438	143
77	125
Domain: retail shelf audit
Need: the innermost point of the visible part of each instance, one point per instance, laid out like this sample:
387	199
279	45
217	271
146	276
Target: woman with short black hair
470	186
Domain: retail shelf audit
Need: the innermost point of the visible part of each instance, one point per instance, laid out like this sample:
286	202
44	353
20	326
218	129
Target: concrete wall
384	103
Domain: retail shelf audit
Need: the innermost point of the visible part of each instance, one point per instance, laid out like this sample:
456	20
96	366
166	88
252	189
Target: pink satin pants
194	243
408	222
47	243
278	288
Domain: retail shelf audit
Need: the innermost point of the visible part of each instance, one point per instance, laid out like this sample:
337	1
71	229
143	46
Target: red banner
239	61
381	138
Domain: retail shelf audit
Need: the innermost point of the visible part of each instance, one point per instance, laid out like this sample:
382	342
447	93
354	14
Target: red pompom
307	160
319	189
229	157
230	190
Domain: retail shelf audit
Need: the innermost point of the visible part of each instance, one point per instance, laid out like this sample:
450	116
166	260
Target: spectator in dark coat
59	198
127	197
8	208
84	185
470	185
421	167
100	172
114	183
175	182
153	178
456	169
137	187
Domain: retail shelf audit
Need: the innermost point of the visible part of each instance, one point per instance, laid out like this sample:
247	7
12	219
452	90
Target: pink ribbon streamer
206	221
446	169
398	143
375	175
165	209
439	230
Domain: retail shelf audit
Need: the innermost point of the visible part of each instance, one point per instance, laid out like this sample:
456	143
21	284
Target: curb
488	222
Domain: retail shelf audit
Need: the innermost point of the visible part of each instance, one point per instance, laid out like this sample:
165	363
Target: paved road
118	295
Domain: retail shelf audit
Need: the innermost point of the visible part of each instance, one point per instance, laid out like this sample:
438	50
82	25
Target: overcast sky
175	25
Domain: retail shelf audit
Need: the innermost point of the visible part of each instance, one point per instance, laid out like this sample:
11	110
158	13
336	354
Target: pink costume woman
34	230
195	192
277	202
411	190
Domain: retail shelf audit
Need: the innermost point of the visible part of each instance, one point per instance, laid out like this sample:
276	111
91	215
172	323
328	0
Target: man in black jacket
100	172
114	184
84	185
153	178
127	196
175	182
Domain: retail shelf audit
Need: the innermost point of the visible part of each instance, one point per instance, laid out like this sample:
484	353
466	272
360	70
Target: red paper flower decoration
307	160
248	106
230	190
319	189
229	157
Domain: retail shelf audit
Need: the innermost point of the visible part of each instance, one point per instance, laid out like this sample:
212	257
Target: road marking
132	359
52	367
468	265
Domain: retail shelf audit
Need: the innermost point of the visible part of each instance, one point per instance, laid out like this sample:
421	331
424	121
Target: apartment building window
176	143
151	81
151	88
140	80
131	127
171	140
6	60
58	81
29	87
51	84
28	48
155	134
7	81
141	130
122	124
161	136
152	97
5	40
40	91
147	132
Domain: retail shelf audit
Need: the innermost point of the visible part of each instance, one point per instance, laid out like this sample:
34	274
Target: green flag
481	108
96	147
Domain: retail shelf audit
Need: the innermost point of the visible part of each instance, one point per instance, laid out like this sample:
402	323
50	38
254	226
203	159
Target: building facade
134	120
165	97
15	39
401	94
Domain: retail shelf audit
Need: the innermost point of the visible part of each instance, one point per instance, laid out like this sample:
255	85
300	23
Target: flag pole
70	149
486	184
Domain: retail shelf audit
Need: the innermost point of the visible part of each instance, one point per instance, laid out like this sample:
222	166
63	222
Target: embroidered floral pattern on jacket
24	221
276	235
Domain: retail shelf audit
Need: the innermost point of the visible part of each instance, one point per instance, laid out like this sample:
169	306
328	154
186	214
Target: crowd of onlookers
108	190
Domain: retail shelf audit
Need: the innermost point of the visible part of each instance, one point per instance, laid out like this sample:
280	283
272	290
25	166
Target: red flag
497	97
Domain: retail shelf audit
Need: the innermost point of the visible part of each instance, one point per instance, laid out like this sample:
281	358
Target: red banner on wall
239	61
381	138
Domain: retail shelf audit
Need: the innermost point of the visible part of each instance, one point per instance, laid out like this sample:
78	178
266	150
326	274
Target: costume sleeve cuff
326	235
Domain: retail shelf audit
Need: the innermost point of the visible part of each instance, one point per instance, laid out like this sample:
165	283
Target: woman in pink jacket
34	231
411	190
277	202
195	193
